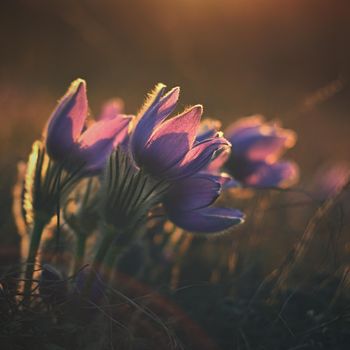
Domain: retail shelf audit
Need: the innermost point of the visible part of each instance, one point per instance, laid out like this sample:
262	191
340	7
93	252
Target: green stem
96	265
38	228
102	251
80	251
114	254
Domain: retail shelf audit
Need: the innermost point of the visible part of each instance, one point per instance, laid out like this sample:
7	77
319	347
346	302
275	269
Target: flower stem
80	251
112	257
106	243
38	228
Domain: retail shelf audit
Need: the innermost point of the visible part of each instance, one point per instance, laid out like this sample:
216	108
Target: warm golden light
29	182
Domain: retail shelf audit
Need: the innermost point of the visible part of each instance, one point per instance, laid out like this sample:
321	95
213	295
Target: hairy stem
114	254
106	243
80	251
38	228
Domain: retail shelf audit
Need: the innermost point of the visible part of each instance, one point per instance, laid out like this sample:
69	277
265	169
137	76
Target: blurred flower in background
255	158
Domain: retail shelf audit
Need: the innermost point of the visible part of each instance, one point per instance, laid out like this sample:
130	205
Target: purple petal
255	140
209	128
67	121
97	142
281	174
167	104
198	157
154	111
263	142
224	179
123	134
112	109
185	123
171	141
194	192
217	163
207	220
232	183
243	124
104	129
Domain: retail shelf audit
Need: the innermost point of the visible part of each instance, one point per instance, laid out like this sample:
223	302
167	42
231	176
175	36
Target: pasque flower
162	158
167	148
170	149
69	151
71	142
257	147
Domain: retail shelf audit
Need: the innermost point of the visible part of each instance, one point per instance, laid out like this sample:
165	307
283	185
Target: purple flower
163	163
69	141
256	150
188	204
168	148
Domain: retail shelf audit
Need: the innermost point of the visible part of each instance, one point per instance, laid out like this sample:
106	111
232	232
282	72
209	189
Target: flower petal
255	140
67	121
207	220
280	174
270	147
98	141
243	124
198	157
209	128
195	192
171	141
154	111
224	179
217	163
104	129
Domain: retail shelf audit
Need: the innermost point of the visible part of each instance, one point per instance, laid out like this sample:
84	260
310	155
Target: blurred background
285	59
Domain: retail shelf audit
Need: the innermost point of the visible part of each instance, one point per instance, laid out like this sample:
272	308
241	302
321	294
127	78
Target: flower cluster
169	149
111	206
138	167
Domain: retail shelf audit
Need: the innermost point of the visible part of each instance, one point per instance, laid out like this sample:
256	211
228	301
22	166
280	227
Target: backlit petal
207	220
67	121
195	192
199	157
154	111
98	141
171	141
